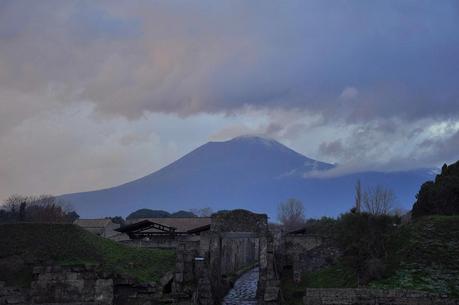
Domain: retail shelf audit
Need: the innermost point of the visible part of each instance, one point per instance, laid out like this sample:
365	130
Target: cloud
349	93
97	93
183	58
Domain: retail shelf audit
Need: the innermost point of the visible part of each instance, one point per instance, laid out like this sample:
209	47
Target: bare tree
378	200
13	202
358	197
43	208
291	214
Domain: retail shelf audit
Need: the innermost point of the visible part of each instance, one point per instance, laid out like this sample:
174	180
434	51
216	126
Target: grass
424	256
336	276
25	245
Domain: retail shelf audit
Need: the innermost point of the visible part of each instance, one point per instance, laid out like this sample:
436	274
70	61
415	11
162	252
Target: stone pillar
215	265
179	268
263	263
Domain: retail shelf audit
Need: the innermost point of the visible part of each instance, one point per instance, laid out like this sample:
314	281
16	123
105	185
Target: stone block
271	294
104	291
178	277
166	278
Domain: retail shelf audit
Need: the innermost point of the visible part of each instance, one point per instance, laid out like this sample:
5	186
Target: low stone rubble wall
11	295
154	242
334	296
308	253
61	285
82	285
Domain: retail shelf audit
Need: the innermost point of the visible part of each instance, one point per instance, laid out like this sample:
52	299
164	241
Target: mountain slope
246	172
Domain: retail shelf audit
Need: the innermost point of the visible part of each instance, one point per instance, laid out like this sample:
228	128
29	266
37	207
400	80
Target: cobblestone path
244	291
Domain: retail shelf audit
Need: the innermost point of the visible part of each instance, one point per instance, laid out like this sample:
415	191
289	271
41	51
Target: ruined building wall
80	285
334	296
308	253
238	251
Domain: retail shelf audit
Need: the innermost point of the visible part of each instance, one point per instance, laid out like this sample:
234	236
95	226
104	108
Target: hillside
250	172
441	196
421	255
424	256
25	245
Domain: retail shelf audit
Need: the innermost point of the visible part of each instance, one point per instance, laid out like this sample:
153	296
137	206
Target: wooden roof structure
182	224
198	230
143	228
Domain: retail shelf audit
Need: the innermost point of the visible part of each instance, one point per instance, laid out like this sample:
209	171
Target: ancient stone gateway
237	241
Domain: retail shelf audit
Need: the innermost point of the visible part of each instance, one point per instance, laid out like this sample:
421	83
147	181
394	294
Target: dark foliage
73	216
44	208
439	197
325	226
147	213
117	219
363	239
183	214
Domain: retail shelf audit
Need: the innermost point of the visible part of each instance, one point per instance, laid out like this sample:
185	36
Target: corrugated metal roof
182	225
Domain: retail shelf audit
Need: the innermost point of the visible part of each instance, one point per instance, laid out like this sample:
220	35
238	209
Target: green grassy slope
24	245
424	255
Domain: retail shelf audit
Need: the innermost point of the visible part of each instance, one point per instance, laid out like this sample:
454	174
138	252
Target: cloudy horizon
95	94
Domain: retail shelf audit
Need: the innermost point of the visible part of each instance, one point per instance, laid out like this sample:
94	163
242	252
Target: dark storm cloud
401	58
99	93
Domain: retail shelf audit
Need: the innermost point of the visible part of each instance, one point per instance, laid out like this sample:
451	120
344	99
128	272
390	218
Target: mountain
247	172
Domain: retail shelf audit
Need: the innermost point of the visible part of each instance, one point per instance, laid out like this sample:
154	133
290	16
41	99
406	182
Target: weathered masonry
373	296
237	240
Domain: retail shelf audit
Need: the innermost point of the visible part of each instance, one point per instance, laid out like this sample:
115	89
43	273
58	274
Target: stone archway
235	240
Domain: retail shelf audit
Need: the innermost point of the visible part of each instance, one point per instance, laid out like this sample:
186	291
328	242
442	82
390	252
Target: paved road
244	291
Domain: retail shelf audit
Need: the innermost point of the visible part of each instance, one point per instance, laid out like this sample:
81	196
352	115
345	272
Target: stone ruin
80	285
236	240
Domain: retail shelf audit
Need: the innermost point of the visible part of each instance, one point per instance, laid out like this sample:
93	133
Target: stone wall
239	221
63	285
185	278
333	296
159	242
83	285
206	267
12	295
308	253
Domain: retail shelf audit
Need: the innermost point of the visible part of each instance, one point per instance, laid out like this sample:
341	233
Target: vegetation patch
26	245
336	276
423	256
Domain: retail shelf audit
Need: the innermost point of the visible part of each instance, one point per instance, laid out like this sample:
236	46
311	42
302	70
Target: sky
97	93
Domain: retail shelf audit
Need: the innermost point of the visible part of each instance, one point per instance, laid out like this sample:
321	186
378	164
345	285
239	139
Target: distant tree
203	212
222	211
362	238
324	226
183	214
72	216
378	200
147	213
43	208
358	197
22	211
291	214
117	219
13	202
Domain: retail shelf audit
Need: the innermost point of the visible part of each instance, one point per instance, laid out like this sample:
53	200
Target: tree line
377	200
43	208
